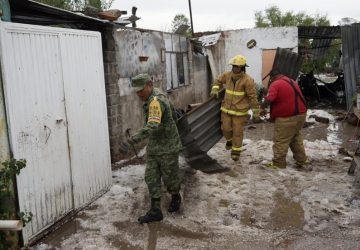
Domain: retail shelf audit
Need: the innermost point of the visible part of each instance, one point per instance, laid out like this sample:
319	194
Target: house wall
234	42
201	78
122	48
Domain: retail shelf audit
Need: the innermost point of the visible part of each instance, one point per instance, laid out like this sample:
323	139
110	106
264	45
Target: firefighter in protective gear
240	96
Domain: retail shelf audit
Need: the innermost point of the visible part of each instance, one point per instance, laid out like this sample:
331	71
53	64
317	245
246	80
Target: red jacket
281	95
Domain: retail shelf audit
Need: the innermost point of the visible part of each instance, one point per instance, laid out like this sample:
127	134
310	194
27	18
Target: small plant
10	169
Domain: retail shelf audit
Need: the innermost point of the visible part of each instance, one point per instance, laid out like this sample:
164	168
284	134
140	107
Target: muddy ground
247	207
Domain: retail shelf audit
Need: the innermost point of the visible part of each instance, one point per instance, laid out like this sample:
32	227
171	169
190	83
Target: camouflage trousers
165	167
287	134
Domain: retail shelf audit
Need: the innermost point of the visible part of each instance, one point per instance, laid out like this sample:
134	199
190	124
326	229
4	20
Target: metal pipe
11	225
191	20
192	106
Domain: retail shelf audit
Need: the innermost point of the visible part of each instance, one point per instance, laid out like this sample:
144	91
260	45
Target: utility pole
191	20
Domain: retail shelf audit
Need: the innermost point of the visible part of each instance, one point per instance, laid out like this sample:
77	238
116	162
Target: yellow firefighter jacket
240	93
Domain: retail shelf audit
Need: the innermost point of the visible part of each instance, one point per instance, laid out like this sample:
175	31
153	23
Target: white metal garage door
56	110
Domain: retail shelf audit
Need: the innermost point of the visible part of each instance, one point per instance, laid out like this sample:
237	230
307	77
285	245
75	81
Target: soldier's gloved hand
125	147
256	118
214	92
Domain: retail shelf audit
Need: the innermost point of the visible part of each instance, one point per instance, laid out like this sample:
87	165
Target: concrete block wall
112	90
121	49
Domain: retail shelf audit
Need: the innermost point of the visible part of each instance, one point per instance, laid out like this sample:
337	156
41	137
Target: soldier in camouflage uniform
163	147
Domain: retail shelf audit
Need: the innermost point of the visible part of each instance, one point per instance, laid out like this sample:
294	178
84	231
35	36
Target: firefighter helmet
238	60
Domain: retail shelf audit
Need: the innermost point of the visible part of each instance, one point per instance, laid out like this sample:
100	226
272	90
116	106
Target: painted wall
234	42
121	59
131	45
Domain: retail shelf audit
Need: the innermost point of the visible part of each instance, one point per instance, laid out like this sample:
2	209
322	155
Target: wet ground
247	207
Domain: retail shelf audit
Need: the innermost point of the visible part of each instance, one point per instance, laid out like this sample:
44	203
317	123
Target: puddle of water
232	173
286	214
224	203
338	133
160	229
123	245
247	217
130	227
92	207
66	230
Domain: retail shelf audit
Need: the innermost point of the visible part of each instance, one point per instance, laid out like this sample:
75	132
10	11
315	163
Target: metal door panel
87	114
34	95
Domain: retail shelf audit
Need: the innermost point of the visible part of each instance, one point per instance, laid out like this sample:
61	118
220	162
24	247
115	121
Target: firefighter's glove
214	92
256	118
263	112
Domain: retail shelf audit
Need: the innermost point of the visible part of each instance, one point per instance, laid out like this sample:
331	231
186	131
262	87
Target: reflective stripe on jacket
240	93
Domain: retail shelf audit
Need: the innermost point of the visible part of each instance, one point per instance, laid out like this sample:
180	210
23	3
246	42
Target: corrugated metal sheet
319	32
322	37
86	111
200	131
319	47
50	86
351	60
205	123
287	62
209	40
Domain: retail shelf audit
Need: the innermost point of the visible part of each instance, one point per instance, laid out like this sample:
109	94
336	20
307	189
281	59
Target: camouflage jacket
160	126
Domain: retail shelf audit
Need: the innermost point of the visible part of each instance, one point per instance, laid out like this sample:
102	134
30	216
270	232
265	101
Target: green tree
274	17
181	19
78	5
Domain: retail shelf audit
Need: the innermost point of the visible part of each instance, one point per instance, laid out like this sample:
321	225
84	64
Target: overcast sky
211	15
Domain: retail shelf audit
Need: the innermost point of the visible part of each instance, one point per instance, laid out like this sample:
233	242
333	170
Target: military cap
138	82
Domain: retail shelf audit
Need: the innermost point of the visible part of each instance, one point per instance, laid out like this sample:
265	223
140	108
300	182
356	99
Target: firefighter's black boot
235	155
154	214
175	203
228	145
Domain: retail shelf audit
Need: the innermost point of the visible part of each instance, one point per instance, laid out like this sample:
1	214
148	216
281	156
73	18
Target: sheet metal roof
322	37
319	32
32	12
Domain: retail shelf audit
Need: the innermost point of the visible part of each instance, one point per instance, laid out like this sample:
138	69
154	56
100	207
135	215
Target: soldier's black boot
154	214
175	203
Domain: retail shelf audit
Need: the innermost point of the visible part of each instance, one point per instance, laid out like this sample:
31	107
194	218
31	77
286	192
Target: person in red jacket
288	110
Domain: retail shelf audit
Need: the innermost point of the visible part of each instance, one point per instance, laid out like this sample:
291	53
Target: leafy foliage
78	5
10	169
274	17
180	19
